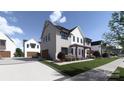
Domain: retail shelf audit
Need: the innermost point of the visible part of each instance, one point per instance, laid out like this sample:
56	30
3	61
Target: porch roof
74	45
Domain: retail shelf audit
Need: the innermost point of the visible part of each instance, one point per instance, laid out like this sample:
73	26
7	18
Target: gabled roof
7	37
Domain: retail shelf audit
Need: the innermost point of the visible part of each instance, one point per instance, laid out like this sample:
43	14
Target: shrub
105	55
69	57
96	54
18	53
61	56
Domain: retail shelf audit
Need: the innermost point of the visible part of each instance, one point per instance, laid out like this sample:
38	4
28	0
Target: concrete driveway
26	69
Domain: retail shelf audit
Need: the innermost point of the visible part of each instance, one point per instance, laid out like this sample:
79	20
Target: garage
32	54
45	54
5	54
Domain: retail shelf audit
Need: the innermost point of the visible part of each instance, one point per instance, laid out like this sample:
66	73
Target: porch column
76	51
84	52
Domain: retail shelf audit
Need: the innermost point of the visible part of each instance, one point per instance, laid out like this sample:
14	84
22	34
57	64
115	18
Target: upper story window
77	39
27	45
64	35
2	44
49	37
81	41
32	45
46	38
38	46
73	38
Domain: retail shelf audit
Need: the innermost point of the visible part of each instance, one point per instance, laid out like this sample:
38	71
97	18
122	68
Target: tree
116	35
18	52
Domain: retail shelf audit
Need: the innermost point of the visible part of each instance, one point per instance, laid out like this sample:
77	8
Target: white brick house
55	39
31	48
7	46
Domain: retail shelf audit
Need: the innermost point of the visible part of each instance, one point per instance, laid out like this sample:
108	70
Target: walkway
101	73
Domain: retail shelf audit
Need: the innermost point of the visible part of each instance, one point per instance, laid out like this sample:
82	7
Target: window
81	41
32	45
27	45
64	35
79	52
38	46
46	38
77	39
64	50
73	38
49	37
71	50
2	44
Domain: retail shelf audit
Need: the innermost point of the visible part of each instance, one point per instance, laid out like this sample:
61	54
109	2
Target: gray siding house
55	39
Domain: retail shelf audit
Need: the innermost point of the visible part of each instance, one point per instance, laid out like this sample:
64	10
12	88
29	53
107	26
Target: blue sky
28	25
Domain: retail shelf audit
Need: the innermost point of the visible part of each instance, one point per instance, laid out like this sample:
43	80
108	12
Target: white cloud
57	17
63	19
9	29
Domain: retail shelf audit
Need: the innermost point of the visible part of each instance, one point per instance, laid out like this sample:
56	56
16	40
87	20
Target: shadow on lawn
93	75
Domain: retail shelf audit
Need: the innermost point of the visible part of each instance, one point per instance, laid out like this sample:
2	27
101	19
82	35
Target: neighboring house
55	39
31	48
98	46
7	46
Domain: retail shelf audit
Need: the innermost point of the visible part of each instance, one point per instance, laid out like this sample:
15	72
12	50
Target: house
99	46
56	39
7	46
31	48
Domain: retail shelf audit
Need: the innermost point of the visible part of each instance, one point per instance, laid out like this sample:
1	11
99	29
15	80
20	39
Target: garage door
32	54
4	54
45	54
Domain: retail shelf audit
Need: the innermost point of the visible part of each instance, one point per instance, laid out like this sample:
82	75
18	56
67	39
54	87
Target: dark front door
83	53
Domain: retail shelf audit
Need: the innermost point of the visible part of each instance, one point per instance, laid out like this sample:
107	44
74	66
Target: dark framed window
2	44
37	46
64	35
46	38
71	50
64	50
49	37
77	39
73	38
27	45
32	45
81	41
79	52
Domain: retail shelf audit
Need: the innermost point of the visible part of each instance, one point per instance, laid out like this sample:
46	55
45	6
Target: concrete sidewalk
101	73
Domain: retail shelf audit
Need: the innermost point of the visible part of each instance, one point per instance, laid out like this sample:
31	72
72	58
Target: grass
118	75
76	68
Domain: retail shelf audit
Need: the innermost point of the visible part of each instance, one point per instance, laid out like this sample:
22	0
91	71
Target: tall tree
116	34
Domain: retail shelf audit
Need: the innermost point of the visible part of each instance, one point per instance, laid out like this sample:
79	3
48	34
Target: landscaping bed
77	68
118	75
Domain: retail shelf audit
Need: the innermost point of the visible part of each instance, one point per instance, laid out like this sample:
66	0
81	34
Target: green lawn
118	75
76	68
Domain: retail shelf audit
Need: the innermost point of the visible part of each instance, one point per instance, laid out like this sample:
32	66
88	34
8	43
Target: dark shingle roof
96	42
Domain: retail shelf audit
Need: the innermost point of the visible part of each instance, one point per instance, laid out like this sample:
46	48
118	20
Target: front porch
80	52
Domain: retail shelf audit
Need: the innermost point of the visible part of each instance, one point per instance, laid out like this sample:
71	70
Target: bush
105	55
69	57
96	54
61	56
18	53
